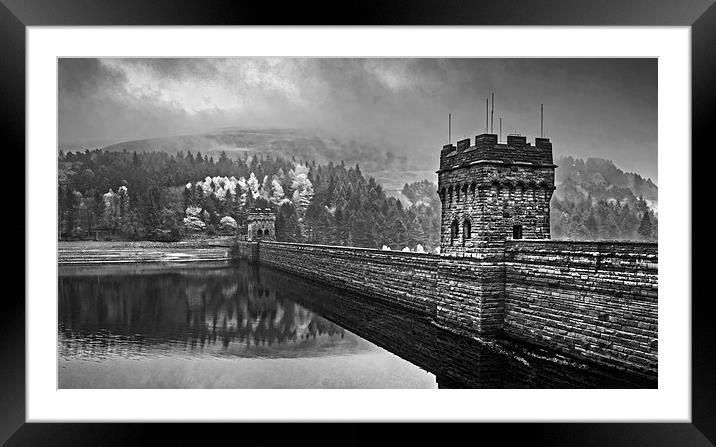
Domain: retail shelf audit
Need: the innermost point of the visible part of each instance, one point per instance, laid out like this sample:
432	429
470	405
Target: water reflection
247	312
217	311
456	361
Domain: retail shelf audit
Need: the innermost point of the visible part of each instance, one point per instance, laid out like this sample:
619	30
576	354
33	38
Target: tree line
167	197
602	220
595	200
162	196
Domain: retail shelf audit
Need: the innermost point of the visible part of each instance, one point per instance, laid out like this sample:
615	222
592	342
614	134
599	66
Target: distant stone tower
493	191
261	225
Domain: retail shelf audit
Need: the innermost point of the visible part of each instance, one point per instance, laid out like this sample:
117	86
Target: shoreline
216	249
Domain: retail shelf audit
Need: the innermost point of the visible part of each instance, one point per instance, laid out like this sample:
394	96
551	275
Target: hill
299	144
598	179
595	199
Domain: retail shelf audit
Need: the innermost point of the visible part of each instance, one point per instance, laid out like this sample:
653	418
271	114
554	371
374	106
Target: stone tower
492	191
261	225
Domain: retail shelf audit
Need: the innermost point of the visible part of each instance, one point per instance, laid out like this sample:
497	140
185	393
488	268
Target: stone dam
498	274
591	301
498	277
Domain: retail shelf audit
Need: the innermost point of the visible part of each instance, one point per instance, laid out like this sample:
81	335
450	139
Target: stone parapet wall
592	300
471	292
408	280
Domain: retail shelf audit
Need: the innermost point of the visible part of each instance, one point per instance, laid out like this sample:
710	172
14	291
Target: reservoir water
244	326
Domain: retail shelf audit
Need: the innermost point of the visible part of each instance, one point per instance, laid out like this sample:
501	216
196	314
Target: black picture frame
700	15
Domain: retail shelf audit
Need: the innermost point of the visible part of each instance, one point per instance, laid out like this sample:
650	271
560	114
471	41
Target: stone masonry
593	301
490	192
261	225
499	275
488	189
407	280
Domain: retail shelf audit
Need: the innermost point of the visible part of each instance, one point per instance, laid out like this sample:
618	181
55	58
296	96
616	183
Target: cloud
597	107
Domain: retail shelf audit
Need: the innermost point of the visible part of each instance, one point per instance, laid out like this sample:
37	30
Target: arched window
453	231
259	233
517	232
466	229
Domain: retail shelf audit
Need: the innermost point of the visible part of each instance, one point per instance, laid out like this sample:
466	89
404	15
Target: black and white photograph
459	212
362	222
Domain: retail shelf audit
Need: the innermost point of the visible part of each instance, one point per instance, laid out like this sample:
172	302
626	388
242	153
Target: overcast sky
593	107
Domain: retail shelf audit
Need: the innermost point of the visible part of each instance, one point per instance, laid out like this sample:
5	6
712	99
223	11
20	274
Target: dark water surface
243	326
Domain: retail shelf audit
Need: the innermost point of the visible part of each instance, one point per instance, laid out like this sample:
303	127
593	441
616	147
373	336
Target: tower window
453	231
466	229
517	232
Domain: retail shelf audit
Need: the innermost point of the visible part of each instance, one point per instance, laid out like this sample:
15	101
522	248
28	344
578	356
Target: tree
74	216
362	233
629	222
277	194
167	229
645	229
122	208
192	222
253	186
110	216
224	162
210	207
287	223
198	195
134	224
420	192
642	206
65	208
342	227
152	212
302	188
400	235
591	225
188	195
227	224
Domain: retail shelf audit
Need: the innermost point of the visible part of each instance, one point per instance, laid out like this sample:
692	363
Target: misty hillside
596	200
292	143
594	179
597	179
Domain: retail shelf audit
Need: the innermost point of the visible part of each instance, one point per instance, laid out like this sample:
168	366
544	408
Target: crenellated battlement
492	191
487	150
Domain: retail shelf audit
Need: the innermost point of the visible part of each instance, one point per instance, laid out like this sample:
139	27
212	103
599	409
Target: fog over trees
595	200
170	196
165	196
